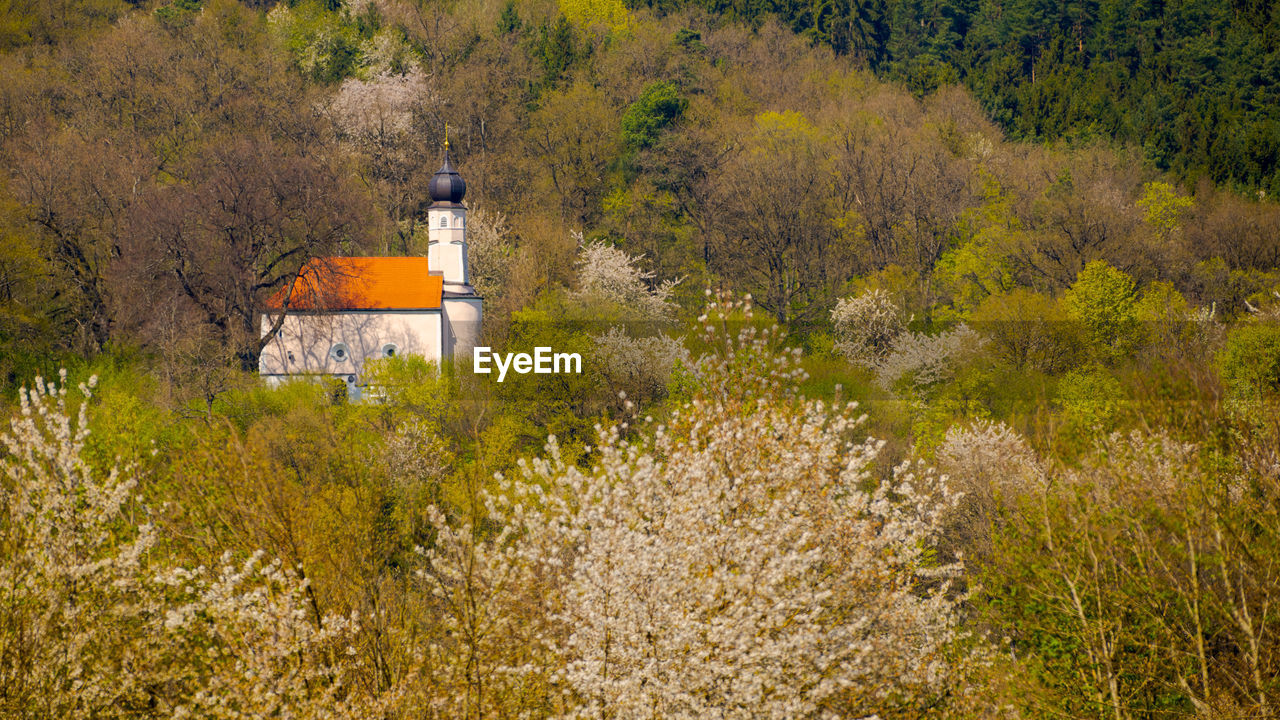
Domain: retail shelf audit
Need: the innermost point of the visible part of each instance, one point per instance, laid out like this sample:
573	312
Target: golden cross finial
446	136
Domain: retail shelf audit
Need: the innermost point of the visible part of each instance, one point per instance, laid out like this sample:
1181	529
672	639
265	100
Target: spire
447	188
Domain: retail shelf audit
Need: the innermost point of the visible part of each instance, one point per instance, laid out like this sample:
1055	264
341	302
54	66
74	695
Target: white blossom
925	359
382	106
991	466
642	366
736	561
866	326
89	629
489	251
605	272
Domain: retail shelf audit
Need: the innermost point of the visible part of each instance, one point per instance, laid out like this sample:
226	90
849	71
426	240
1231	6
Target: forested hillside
1191	83
1035	242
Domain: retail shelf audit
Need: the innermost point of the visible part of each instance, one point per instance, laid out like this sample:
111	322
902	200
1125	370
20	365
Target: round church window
339	352
390	350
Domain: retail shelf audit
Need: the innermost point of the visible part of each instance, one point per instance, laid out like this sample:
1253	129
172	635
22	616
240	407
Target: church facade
343	311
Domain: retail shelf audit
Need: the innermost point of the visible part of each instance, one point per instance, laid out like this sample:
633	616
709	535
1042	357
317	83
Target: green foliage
178	12
690	40
555	47
326	45
127	426
923	74
408	384
1029	330
1163	207
979	266
1077	70
24	22
1091	400
1250	361
565	405
1104	300
588	15
659	105
509	20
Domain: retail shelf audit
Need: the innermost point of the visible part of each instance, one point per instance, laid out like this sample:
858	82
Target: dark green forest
931	361
1190	83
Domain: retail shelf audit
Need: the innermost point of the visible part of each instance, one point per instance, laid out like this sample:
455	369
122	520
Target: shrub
1250	361
1029	330
609	274
866	326
918	360
91	626
1091	400
990	465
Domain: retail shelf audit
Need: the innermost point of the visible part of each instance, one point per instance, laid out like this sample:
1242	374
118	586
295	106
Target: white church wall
340	343
463	319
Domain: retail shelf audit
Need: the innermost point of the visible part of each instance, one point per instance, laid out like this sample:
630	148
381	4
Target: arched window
444	222
459	222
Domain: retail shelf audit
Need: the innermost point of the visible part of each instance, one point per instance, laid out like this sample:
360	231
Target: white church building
343	311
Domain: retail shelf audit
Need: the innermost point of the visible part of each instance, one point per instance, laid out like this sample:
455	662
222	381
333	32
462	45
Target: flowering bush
866	326
380	107
605	272
923	360
639	367
88	628
70	568
489	250
991	466
737	561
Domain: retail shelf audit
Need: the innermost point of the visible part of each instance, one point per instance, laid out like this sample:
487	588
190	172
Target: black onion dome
447	187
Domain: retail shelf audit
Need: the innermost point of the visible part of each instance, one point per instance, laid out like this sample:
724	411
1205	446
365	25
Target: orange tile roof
363	283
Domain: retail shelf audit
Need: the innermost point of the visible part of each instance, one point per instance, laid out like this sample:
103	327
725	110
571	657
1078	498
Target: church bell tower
447	226
447	256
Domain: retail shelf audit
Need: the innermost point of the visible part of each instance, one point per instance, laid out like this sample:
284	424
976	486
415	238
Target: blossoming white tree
89	628
866	326
738	561
605	272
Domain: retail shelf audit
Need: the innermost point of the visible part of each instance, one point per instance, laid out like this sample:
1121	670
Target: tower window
459	222
444	222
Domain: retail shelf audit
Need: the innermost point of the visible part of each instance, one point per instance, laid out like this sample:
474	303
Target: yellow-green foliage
1162	206
979	267
1167	320
1250	362
1091	400
590	15
1029	330
406	387
322	44
1104	300
901	284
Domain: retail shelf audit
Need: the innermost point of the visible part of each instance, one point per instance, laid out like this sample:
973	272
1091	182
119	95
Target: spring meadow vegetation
931	361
